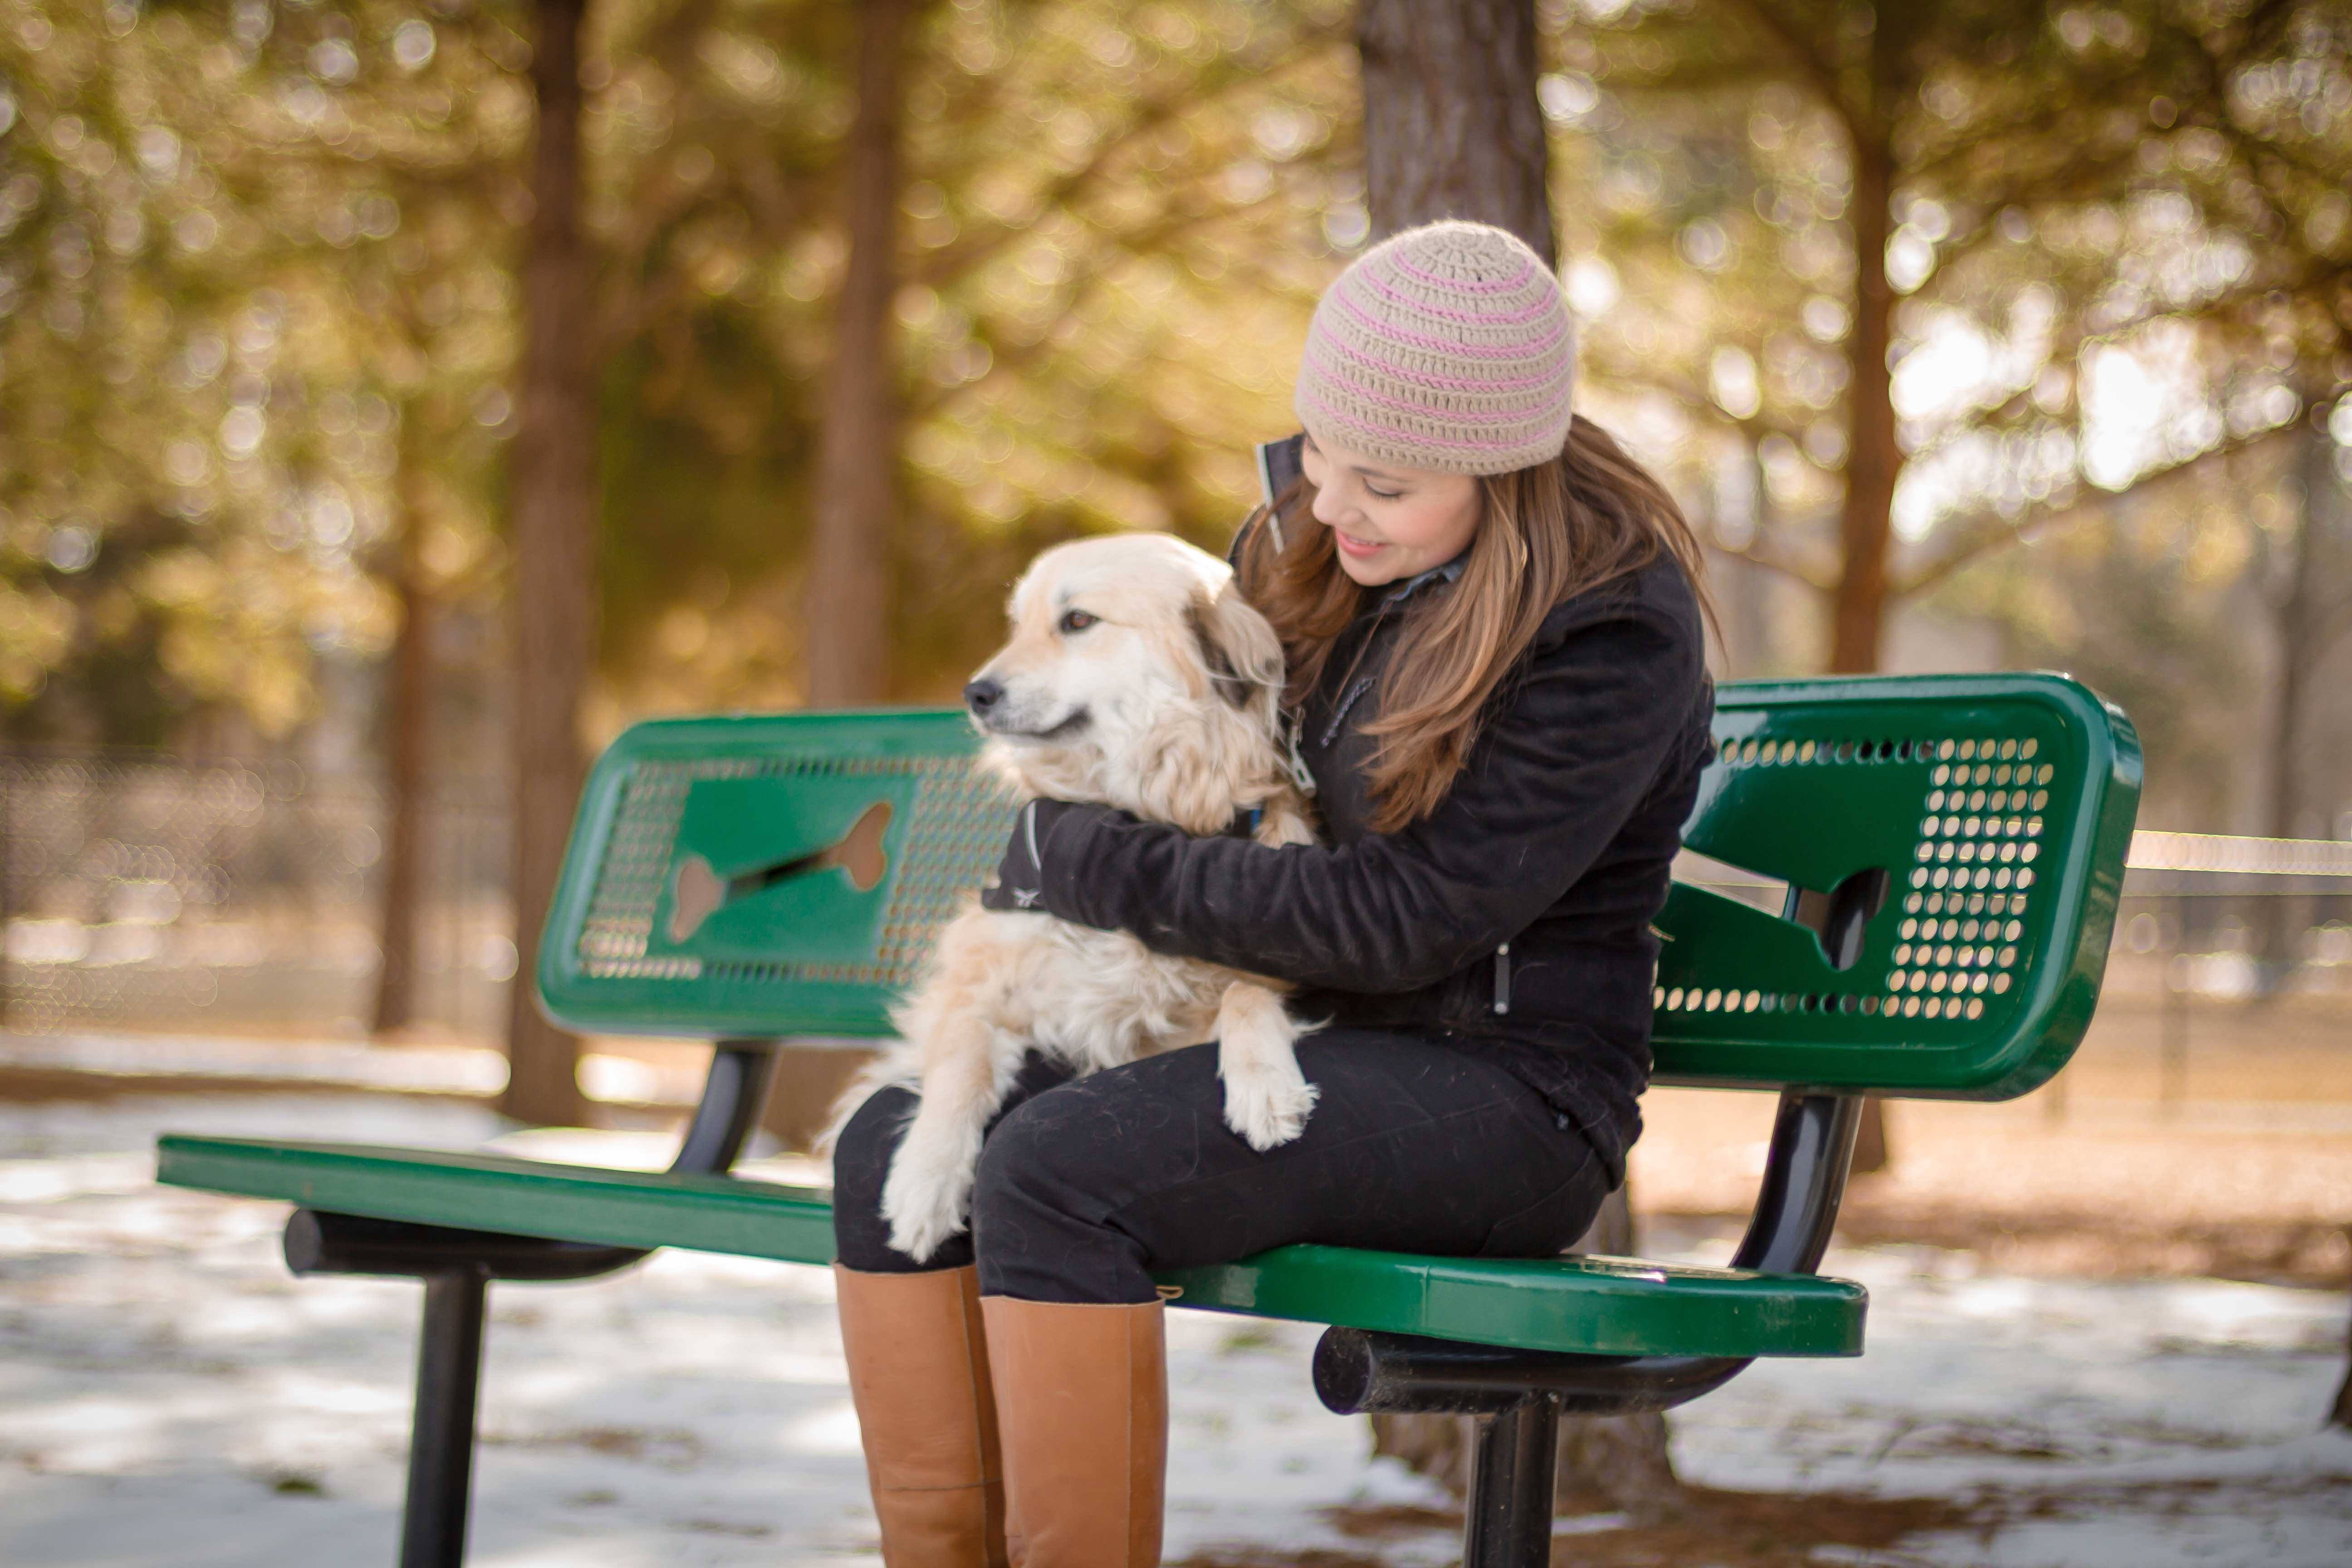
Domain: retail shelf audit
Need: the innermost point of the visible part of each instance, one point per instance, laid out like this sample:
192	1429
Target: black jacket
1515	918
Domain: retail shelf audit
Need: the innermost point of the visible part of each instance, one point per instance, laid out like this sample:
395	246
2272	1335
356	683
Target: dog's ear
1242	655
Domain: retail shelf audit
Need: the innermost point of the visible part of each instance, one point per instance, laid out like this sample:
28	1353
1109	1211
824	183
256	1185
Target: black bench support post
1520	1394
1507	1522
441	1439
458	1266
732	1096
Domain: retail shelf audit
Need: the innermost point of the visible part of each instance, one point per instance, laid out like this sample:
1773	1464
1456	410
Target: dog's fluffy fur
1135	678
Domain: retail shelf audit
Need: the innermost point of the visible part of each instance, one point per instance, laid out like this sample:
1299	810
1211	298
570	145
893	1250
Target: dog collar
1245	823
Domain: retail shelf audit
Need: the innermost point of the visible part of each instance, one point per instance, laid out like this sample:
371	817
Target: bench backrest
1951	848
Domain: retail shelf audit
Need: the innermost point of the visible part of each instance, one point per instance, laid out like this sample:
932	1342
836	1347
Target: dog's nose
982	695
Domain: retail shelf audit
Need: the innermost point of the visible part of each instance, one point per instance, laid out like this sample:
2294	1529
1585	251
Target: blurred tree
186	476
554	513
846	603
1807	200
2311	601
408	760
1101	213
1451	124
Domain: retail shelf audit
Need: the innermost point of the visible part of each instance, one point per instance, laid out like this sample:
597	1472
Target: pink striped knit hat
1446	347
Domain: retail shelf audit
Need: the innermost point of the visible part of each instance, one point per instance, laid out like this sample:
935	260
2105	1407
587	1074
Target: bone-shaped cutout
1839	917
697	892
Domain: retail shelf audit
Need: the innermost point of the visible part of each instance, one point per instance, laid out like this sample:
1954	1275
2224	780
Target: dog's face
1110	638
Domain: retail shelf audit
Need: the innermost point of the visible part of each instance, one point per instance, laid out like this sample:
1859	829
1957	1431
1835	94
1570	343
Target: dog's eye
1077	621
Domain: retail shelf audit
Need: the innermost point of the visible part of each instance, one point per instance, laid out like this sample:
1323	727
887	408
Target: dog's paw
1268	1106
927	1199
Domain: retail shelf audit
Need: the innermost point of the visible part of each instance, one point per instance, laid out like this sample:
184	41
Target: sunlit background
1971	336
258	323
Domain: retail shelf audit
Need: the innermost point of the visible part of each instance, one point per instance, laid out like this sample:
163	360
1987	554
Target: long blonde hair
1546	535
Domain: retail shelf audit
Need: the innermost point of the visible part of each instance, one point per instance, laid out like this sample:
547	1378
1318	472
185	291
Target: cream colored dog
1135	678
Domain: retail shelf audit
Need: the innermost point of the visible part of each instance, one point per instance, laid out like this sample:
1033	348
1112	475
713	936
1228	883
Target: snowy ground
172	1396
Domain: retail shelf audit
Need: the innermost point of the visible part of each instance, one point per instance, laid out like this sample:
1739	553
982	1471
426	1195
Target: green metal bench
1947	853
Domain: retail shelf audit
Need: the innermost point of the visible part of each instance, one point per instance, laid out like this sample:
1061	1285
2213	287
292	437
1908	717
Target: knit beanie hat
1446	347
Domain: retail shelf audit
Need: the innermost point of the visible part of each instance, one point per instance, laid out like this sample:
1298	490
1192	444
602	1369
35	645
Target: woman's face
1388	522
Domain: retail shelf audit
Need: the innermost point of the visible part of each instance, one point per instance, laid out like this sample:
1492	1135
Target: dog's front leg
1266	1097
927	1196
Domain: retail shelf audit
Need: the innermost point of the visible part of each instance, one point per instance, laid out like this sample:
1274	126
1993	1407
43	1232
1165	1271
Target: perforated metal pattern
1970	892
619	919
961	816
954	838
1964	900
1988	815
613	959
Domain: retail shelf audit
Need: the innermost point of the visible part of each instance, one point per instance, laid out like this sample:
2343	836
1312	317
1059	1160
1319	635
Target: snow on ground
173	1396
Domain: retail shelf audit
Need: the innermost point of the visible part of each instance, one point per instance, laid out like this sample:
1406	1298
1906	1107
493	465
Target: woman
1498	689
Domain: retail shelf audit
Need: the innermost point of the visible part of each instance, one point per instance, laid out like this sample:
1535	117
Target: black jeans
1087	1185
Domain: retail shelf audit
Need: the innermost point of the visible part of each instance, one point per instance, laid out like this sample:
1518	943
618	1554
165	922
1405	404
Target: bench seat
1598	1306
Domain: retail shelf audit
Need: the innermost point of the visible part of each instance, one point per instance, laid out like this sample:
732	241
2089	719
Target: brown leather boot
1082	1399
918	1376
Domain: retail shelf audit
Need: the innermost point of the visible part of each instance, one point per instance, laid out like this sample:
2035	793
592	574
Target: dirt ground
2244	1174
1726	1529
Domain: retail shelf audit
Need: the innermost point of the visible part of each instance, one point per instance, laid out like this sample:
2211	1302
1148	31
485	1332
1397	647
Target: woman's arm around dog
1612	694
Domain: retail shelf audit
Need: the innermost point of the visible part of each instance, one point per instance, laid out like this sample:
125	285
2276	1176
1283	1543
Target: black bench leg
441	1442
1508	1524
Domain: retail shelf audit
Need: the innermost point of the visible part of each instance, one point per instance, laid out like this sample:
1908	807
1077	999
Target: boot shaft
1082	1405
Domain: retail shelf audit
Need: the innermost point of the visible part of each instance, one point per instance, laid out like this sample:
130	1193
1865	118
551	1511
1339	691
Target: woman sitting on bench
1493	619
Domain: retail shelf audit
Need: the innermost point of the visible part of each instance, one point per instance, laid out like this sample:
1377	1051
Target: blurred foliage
2099	212
258	310
2121	249
1113	234
236	249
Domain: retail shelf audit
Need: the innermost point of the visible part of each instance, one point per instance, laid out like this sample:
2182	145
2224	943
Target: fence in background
150	892
2230	979
147	891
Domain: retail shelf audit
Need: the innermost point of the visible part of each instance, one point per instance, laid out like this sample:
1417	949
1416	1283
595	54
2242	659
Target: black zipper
1502	978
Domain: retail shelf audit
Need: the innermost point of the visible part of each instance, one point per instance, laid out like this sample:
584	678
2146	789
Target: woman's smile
1426	517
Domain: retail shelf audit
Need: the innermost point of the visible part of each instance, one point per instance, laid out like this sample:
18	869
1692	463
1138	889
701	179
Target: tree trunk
1452	128
2303	643
847	615
2340	1413
554	506
407	765
1874	461
1871	1152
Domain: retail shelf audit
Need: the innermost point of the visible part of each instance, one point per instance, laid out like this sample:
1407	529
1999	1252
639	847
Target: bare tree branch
1820	73
1184	98
1983	534
1760	552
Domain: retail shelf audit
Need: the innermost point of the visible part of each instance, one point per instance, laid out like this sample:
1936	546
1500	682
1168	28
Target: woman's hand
1021	874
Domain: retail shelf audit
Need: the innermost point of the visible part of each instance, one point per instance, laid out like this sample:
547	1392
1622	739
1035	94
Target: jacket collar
1446	572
